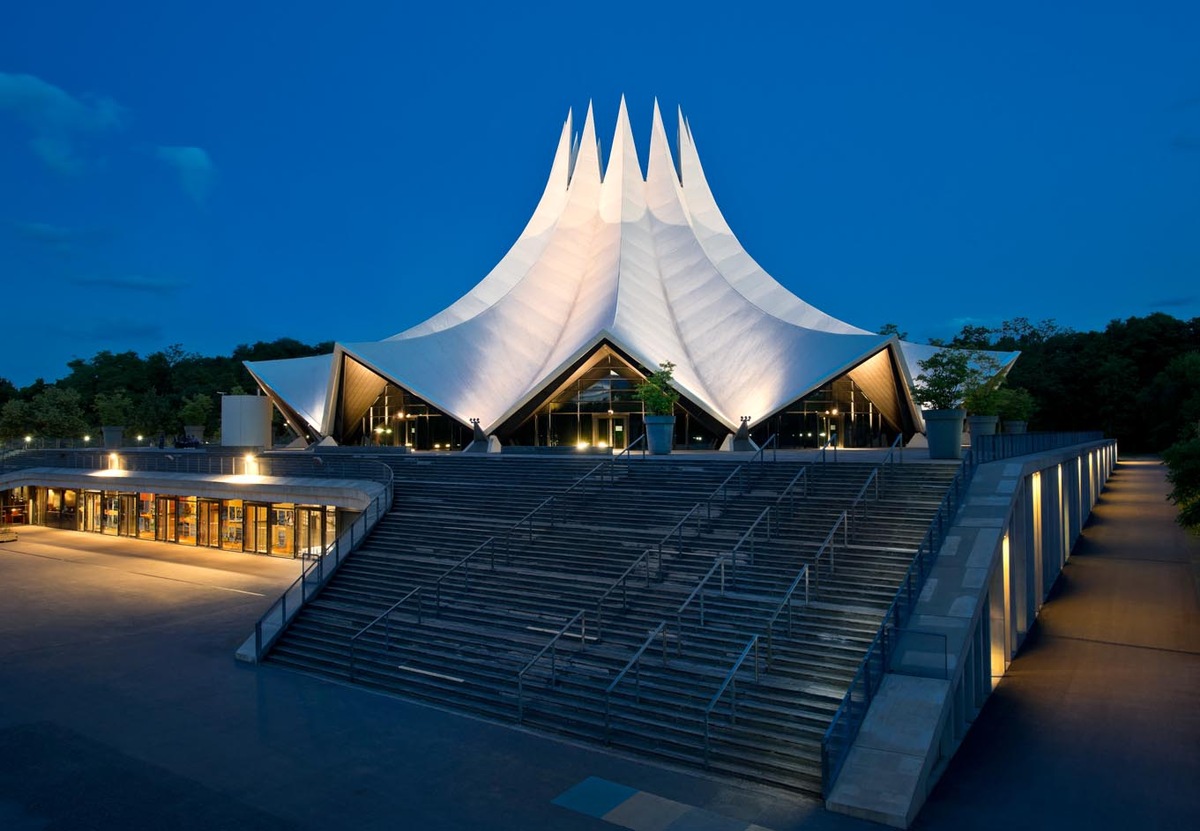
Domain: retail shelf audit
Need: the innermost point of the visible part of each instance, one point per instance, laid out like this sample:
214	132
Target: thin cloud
56	118
130	282
194	167
1174	302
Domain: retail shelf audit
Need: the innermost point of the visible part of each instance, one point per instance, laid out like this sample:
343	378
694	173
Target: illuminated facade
614	274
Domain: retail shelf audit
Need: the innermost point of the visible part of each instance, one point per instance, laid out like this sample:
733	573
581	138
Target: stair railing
789	492
677	531
801	578
317	573
858	508
739	473
729	683
825	447
827	546
759	455
386	617
550	502
552	648
751	534
717	570
844	727
626	455
634	663
894	456
465	565
622	583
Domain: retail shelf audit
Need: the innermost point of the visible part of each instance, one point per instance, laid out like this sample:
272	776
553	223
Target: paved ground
121	707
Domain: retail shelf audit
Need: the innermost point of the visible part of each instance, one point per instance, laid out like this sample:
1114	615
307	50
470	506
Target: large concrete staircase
541	621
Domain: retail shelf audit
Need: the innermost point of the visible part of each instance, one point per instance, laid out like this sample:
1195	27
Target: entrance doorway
611	430
209	526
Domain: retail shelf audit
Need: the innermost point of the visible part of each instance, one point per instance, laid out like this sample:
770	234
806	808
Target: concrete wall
998	563
246	421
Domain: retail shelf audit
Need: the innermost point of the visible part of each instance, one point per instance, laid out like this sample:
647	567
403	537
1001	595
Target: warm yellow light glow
87	438
833	411
437	447
114	461
603	445
250	465
140	437
581	445
28	439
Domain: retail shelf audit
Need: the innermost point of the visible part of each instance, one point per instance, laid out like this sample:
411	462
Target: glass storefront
279	529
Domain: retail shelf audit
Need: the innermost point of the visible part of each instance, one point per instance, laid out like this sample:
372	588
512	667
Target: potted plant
114	410
947	380
194	414
1015	406
658	398
982	402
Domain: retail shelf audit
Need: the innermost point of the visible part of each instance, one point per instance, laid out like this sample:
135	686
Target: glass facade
838	411
279	529
397	418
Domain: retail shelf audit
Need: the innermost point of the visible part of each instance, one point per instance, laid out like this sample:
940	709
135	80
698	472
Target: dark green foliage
147	393
656	392
1183	462
1106	380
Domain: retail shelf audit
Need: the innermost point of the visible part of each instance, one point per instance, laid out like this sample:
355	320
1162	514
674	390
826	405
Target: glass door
209	525
310	532
255	519
164	528
610	431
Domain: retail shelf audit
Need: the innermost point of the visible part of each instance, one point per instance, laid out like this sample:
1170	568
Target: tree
950	377
196	410
57	413
893	329
656	393
1183	463
114	409
15	420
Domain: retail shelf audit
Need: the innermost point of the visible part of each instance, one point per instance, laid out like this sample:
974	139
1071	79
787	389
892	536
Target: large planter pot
113	437
660	432
983	425
1015	426
943	431
195	431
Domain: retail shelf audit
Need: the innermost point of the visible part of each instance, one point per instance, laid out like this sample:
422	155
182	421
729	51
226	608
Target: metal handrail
771	442
730	679
847	718
827	543
387	638
723	488
437	584
748	534
860	497
271	624
826	446
635	664
786	602
621	582
548	501
889	459
677	531
718	564
551	646
789	492
629	447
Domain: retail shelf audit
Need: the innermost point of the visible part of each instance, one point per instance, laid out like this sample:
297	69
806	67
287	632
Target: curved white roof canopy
646	264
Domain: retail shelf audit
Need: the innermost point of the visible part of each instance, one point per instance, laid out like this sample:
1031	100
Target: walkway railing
465	566
844	727
622	584
626	455
552	647
729	683
801	579
1006	445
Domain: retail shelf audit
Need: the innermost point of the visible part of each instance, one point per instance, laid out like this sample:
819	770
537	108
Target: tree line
155	395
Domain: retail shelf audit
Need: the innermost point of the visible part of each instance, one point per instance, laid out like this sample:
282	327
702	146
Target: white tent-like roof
647	266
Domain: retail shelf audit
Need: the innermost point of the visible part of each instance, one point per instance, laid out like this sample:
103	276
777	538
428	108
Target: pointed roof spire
622	195
587	157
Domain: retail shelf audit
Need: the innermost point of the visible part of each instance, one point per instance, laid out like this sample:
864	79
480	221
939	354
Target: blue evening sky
218	173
